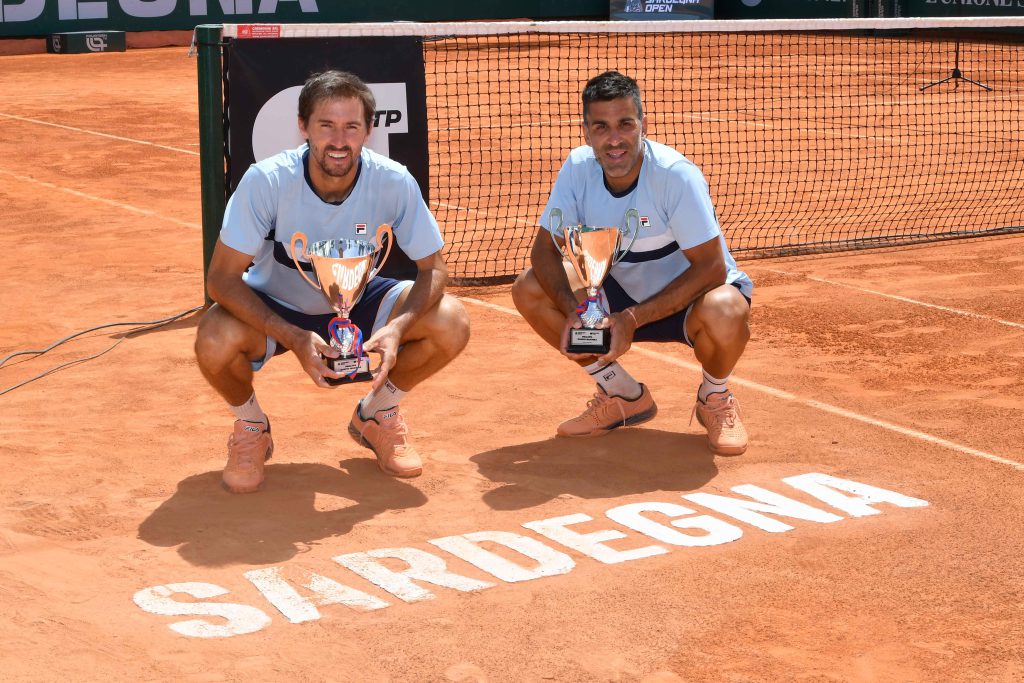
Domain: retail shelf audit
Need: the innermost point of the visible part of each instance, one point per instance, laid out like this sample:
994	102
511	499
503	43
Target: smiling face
615	129
336	131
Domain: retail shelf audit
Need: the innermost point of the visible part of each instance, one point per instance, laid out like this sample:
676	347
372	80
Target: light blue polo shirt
676	213
274	200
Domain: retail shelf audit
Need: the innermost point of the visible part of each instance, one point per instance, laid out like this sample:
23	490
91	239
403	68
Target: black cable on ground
142	326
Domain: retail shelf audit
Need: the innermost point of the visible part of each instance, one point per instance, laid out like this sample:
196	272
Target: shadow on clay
301	505
624	462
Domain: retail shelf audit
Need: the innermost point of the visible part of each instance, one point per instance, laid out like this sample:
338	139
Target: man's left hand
384	341
623	327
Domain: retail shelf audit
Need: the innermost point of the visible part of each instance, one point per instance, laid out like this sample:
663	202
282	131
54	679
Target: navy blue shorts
672	328
366	314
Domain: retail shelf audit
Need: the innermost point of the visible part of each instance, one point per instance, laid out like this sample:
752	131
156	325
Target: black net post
211	139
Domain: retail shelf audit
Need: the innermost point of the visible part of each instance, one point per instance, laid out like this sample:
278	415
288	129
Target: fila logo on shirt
645	221
360	228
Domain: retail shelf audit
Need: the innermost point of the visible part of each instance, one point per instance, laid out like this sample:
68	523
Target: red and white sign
259	30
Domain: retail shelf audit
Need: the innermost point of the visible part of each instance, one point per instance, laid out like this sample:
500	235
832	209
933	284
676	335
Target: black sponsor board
260	70
788	9
80	42
649	10
957	8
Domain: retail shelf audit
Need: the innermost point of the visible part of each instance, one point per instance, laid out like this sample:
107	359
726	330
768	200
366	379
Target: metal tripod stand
957	75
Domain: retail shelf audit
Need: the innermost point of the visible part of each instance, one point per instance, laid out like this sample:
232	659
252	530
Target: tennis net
814	135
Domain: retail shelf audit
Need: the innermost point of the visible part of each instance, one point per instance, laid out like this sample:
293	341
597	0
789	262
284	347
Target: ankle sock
711	385
250	411
388	396
614	379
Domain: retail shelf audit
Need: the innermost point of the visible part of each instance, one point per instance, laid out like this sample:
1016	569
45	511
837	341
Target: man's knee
207	334
219	338
728	303
723	314
526	290
456	321
447	326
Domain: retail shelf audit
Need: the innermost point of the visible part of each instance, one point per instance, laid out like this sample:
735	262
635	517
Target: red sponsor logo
360	228
259	30
645	222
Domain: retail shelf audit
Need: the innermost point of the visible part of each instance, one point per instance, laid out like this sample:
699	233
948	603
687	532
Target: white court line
841	132
786	396
102	135
955	311
102	200
671	117
530	124
482	213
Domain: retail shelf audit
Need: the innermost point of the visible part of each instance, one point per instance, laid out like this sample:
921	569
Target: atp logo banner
275	129
266	76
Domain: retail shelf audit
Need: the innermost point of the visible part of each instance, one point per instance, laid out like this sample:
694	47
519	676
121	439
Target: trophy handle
635	215
555	215
382	230
296	238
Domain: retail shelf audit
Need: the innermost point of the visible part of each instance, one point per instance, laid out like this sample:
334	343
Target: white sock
251	411
711	385
614	380
388	396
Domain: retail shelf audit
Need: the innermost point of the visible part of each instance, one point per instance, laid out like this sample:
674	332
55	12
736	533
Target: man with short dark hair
678	281
332	187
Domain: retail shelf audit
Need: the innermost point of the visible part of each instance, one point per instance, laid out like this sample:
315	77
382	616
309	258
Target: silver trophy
592	251
343	268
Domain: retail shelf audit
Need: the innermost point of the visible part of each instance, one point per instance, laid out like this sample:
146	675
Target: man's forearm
680	292
550	274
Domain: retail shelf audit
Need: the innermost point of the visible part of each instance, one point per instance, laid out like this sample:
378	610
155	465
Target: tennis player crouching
328	188
678	282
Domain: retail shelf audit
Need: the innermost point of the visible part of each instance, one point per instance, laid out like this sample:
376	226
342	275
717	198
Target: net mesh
811	140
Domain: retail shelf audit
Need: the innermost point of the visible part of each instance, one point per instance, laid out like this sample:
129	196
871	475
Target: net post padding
212	169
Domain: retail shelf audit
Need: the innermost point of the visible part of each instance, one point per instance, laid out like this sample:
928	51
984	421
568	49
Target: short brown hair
330	84
611	85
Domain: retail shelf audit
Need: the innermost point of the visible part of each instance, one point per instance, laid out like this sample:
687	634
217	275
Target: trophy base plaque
346	366
585	340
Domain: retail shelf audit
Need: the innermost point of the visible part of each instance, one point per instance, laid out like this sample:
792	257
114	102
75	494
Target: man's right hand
572	321
310	349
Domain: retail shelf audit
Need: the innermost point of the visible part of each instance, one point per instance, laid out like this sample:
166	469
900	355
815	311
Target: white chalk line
154	214
840	133
109	202
945	309
86	131
811	403
481	212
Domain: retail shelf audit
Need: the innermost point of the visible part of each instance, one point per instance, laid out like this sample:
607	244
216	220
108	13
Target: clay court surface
121	557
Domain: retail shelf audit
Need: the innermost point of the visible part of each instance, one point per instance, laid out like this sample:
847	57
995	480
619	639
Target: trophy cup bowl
343	268
592	251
